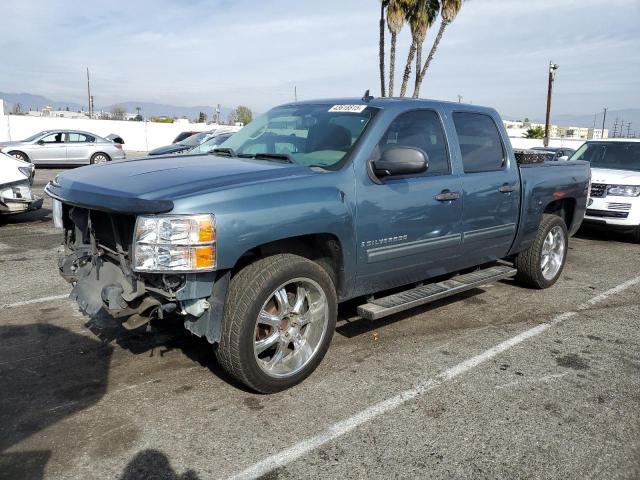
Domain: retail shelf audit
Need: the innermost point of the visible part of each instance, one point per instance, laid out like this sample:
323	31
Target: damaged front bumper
18	197
96	261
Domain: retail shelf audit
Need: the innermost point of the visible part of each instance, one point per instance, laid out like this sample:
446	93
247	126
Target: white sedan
16	177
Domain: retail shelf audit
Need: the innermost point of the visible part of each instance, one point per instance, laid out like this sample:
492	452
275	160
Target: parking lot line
31	302
345	426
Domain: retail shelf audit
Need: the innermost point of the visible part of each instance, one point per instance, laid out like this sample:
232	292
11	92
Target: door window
54	138
75	137
480	143
421	129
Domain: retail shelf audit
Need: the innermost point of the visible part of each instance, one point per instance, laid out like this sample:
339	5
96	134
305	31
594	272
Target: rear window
480	142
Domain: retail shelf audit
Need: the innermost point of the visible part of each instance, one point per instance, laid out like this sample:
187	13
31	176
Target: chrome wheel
100	158
553	250
291	327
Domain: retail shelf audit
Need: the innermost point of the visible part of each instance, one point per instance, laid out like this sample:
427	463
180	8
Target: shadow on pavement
600	234
153	465
47	373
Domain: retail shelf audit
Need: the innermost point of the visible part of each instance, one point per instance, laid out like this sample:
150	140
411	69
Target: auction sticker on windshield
348	108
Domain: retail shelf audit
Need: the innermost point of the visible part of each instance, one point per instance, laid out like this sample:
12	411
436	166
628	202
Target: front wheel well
563	208
322	248
13	152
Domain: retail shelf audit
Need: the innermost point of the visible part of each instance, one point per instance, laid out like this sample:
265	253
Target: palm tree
427	16
396	14
449	11
419	19
383	6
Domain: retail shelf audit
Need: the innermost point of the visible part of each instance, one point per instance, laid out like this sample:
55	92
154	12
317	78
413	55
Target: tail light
118	146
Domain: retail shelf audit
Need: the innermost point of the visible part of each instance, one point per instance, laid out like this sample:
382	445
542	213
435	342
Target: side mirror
40	142
400	161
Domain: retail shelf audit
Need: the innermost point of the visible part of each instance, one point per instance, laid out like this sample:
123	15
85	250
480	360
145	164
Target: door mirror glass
400	161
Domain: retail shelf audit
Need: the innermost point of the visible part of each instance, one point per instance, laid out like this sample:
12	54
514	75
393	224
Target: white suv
615	183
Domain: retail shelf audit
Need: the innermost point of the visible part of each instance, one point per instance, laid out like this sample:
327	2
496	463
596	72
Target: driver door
50	149
406	229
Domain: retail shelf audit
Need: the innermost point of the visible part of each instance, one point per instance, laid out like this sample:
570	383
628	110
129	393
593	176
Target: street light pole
552	75
604	117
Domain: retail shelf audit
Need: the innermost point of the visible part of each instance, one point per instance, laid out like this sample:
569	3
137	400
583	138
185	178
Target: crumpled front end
18	197
97	261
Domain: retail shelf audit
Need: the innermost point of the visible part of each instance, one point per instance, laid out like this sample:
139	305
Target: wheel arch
564	208
11	152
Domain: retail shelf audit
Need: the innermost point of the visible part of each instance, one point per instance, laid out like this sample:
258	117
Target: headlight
624	190
26	171
174	243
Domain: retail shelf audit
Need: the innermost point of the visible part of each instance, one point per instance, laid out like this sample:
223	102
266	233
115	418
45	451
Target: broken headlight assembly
174	243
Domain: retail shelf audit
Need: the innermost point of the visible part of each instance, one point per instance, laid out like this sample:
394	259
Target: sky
254	52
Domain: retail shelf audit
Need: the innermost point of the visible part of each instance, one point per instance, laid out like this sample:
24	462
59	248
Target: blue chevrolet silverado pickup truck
397	202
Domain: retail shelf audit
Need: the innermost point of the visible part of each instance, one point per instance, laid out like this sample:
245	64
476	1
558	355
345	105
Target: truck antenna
367	97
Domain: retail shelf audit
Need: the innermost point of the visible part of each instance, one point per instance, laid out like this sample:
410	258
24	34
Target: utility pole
593	130
628	129
295	93
459	98
604	117
552	76
615	127
89	95
218	114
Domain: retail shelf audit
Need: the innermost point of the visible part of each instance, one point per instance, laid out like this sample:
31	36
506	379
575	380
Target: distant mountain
624	116
149	109
28	101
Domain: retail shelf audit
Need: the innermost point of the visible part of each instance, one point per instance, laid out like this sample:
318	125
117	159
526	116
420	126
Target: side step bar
398	302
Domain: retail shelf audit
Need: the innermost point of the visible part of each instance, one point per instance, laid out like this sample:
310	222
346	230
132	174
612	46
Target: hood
11	144
149	185
615	177
167	149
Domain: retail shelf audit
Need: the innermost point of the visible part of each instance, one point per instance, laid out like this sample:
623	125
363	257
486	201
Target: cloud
255	52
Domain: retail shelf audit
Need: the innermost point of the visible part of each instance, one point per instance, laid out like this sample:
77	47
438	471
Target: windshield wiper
268	156
223	151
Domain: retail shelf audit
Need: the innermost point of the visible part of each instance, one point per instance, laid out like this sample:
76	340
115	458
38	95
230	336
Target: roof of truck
382	102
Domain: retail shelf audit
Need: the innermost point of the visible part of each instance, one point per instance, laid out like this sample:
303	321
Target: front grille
598	190
625	207
101	223
606	214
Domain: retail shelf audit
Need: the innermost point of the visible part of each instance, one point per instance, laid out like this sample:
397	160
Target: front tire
279	319
19	156
542	263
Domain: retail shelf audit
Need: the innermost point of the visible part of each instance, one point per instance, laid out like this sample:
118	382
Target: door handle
447	196
506	188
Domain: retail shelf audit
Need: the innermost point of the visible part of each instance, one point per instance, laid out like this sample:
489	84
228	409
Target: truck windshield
614	155
319	135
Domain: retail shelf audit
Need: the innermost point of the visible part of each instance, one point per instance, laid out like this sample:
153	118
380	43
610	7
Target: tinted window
54	138
480	142
421	129
614	155
80	138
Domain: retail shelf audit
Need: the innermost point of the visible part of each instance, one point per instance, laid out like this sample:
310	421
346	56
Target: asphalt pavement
500	382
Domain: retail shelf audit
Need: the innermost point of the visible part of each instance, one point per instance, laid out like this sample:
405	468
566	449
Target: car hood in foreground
149	185
615	177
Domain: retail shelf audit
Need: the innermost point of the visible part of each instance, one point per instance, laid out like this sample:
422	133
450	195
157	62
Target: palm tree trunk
434	47
407	69
381	53
418	65
392	63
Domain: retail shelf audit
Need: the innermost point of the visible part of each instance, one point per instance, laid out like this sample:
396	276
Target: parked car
312	204
213	142
16	178
183	145
64	147
614	202
183	136
556	153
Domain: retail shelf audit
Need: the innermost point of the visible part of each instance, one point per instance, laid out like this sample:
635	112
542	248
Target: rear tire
636	234
542	263
284	301
20	156
99	157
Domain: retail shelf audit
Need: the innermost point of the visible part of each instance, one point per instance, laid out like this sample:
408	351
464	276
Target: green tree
118	112
137	118
396	15
534	132
202	117
449	10
241	114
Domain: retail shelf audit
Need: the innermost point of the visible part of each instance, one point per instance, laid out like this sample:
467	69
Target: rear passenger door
79	147
490	189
